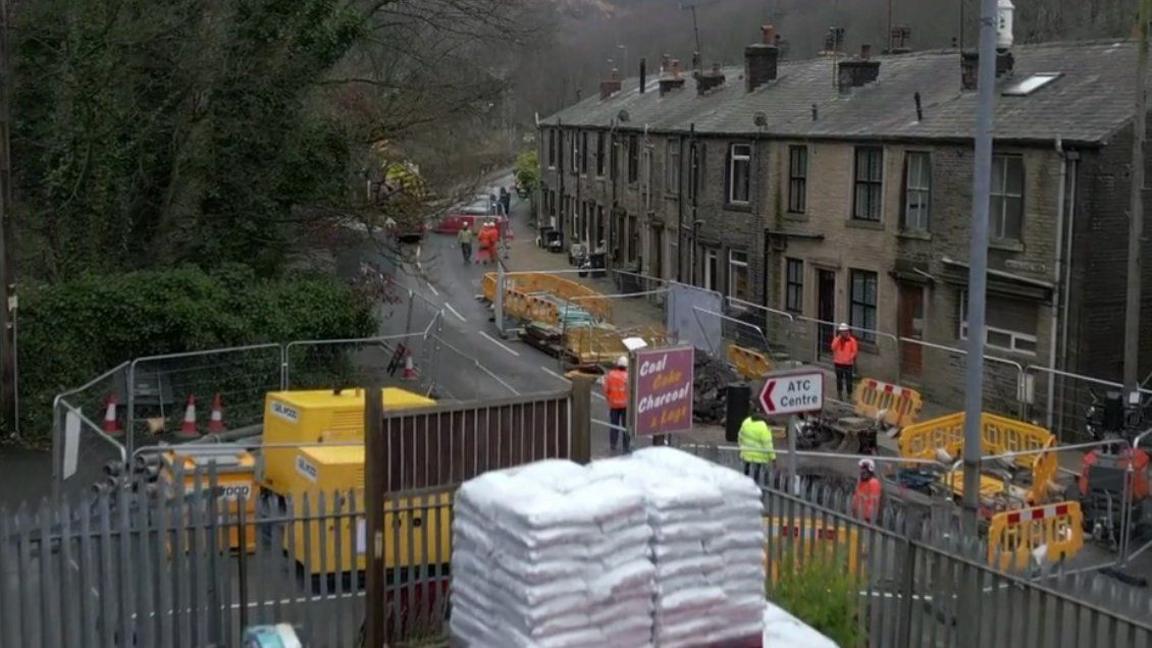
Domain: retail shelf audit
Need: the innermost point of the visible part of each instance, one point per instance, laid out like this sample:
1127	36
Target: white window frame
710	255
732	264
1000	196
735	157
919	220
1015	337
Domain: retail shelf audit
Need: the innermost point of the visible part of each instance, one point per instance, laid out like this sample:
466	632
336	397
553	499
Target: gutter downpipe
1057	280
560	173
1072	190
695	196
680	209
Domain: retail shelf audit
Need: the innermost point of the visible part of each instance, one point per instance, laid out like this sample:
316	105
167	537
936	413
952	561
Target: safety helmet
622	362
868	464
843	327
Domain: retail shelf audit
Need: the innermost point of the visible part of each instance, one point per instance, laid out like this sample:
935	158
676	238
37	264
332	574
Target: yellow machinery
235	480
1024	480
296	418
312	430
341	470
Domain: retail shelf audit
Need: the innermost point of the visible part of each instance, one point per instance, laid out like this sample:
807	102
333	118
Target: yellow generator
338	472
295	419
307	452
235	477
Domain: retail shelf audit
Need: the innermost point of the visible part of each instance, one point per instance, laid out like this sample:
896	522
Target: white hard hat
843	327
869	464
622	362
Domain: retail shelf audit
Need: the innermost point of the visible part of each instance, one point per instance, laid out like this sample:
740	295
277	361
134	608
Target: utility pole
978	264
375	452
7	281
995	29
1136	218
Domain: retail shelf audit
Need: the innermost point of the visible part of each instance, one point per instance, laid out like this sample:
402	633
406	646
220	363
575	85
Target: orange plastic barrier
901	405
1014	535
750	364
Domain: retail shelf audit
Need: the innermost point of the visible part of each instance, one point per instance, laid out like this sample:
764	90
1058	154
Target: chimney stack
610	86
761	59
857	72
970	65
900	40
672	80
708	81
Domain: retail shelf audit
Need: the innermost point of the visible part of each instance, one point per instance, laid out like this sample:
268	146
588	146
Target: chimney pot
769	34
865	52
643	74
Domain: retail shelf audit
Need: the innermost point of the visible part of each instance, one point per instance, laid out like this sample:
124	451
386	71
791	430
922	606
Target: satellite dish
760	119
623	116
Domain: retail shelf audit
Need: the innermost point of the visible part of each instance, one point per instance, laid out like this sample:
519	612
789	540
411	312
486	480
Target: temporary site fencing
764	338
154	566
189	559
150	396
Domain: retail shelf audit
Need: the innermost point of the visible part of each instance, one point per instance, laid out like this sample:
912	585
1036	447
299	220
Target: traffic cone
216	420
409	368
111	423
188	427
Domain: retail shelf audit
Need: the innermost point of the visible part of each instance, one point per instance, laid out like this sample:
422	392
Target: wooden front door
910	324
825	310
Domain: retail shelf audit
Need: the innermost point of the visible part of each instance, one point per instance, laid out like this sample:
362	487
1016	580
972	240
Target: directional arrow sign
793	392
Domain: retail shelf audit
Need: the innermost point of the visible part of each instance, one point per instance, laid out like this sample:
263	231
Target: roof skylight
1031	84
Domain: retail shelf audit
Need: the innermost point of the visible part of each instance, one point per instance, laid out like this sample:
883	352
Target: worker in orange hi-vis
616	393
844	351
866	501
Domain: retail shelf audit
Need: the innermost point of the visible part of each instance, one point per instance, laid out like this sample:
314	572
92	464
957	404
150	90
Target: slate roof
1091	101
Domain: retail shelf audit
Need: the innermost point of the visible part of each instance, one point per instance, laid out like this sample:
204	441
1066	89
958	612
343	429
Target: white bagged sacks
723	577
547	557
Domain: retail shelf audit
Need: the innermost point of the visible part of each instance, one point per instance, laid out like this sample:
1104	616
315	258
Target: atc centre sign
792	392
662	380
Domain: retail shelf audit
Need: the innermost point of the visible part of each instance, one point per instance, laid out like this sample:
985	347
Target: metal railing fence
913	592
155	565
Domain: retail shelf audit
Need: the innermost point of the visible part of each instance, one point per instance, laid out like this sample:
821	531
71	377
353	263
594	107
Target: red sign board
662	397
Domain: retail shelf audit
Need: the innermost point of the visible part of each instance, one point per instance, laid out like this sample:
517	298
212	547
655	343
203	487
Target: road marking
500	344
453	310
432	288
554	374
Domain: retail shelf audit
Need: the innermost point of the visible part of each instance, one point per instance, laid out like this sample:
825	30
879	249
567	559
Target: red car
479	210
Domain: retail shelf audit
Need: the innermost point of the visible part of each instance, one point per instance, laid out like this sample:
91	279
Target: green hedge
72	331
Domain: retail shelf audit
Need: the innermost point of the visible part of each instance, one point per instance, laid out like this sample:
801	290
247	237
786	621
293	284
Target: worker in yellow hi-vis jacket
756	448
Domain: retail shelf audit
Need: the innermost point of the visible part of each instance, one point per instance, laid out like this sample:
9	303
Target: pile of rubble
710	393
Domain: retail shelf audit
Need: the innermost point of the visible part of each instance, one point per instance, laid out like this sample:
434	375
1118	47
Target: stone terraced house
840	190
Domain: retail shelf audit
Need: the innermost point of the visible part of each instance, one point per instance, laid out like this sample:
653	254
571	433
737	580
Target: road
473	350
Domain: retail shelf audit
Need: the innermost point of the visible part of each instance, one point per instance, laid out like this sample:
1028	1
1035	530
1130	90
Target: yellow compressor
306	452
235	478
